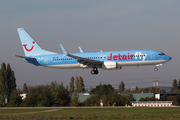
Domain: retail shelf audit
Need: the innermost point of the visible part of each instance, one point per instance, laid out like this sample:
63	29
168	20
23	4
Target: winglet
63	50
80	49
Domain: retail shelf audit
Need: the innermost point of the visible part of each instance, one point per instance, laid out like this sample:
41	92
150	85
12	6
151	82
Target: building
138	96
152	103
82	97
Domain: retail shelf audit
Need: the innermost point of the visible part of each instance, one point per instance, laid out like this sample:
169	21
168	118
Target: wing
81	60
85	61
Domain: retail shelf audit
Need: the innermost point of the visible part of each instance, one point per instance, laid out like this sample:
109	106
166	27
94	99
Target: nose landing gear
155	69
94	71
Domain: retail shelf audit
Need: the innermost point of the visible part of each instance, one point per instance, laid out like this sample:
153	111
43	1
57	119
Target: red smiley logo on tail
25	46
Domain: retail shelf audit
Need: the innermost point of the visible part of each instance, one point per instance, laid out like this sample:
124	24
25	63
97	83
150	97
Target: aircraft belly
141	63
67	66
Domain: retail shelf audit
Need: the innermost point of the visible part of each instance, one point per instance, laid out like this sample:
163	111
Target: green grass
166	113
18	111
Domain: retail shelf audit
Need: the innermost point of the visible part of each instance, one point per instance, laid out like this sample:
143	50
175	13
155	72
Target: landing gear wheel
155	69
94	71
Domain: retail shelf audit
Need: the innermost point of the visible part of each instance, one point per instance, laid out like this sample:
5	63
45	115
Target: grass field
166	113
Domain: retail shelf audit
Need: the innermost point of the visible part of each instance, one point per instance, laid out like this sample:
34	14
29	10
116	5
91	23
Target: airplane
106	60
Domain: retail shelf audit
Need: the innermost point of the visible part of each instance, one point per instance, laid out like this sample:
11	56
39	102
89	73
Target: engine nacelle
83	66
108	65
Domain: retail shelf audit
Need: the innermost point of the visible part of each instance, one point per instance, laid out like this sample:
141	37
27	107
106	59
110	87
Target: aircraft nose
168	58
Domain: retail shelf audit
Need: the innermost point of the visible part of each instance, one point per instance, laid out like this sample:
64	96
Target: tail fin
30	47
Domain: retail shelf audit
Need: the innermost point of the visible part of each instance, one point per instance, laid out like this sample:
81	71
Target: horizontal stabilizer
25	57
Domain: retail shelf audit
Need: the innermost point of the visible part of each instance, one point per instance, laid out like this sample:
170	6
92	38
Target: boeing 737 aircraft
109	60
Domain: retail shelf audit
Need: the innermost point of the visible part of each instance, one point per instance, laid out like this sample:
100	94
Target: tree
102	90
25	89
7	82
174	85
164	97
47	97
62	85
162	90
11	79
108	95
67	87
75	100
92	101
71	85
177	100
31	99
53	87
76	83
137	88
81	85
39	96
15	99
126	99
121	87
148	99
3	83
151	90
90	88
61	97
179	84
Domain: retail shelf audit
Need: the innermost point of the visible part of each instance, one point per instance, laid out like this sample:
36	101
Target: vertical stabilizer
30	47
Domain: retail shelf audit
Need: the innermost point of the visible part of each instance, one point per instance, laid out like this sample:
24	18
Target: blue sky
93	25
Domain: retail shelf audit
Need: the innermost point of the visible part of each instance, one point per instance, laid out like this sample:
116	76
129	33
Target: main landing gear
94	71
155	69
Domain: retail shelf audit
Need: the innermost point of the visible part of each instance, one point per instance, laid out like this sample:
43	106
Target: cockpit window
161	54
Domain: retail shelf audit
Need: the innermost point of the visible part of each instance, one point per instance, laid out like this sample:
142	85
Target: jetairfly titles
125	57
107	60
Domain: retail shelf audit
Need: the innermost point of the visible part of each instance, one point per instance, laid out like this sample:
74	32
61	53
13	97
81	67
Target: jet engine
109	65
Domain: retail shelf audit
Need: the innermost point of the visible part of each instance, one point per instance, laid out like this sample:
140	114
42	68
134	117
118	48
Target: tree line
57	95
109	96
174	89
